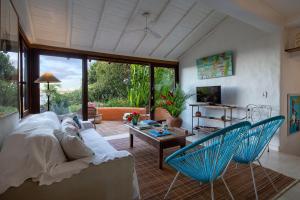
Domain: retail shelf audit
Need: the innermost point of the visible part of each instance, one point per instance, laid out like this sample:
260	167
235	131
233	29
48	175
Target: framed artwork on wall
219	65
293	113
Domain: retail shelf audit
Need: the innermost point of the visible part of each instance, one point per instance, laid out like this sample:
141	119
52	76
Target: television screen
211	94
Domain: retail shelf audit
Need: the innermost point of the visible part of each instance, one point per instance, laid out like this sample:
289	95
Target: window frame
24	110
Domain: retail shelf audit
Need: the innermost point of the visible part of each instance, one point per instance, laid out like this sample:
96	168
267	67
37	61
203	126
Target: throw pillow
73	147
76	120
68	125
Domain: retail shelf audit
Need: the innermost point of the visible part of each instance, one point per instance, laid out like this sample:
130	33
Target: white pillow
73	146
69	126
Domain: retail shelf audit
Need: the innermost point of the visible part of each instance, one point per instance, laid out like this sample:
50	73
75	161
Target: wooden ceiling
107	25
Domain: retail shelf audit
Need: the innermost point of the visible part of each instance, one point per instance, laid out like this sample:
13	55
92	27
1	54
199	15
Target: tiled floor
280	162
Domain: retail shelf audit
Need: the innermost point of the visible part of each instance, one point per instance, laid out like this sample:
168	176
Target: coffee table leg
131	140
161	157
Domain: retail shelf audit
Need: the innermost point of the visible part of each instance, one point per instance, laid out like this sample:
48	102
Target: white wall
290	84
256	66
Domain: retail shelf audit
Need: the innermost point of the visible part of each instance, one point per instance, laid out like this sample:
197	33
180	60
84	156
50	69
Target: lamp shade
47	78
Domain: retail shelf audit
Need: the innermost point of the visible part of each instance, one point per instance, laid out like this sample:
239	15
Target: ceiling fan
147	30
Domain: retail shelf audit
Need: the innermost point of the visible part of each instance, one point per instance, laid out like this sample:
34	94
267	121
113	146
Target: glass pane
8	82
164	79
25	77
9	50
65	96
113	84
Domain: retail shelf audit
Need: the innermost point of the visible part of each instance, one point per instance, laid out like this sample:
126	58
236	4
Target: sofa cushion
69	126
102	149
73	145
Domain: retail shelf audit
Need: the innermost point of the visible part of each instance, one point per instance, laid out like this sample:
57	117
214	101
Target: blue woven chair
255	142
207	159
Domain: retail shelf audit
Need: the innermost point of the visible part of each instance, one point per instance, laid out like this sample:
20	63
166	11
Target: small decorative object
198	114
223	118
133	118
165	125
215	66
173	100
293	113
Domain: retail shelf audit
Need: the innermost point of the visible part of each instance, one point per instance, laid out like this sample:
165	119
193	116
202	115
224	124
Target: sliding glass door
65	96
118	87
164	81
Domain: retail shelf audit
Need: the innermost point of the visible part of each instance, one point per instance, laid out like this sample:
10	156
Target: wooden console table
226	118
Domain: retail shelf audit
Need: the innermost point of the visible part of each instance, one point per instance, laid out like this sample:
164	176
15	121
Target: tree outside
111	85
8	85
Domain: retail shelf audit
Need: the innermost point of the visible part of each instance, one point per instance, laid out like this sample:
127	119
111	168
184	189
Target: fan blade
158	36
135	30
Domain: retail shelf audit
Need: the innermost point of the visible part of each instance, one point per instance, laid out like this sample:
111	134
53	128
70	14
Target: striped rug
154	182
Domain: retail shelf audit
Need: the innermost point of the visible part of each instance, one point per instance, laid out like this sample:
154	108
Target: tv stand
227	118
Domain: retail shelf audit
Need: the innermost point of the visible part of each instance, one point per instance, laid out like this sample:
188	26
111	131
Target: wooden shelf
206	129
216	106
293	49
214	118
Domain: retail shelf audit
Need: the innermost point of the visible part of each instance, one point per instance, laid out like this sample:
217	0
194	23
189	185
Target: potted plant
133	118
173	100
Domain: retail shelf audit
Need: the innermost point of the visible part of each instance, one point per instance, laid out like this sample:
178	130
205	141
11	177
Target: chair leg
268	176
230	194
212	190
176	176
253	179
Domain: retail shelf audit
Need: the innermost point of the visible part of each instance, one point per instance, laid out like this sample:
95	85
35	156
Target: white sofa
108	175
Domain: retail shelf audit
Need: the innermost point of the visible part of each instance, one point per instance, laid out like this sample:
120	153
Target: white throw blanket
33	151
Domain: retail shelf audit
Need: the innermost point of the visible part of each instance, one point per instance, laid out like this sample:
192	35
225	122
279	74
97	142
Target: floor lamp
47	78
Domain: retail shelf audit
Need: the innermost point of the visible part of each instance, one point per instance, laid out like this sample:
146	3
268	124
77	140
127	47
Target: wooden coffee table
178	138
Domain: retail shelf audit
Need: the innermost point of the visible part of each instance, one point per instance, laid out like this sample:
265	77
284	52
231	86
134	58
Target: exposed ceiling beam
209	33
133	13
156	19
161	11
99	24
139	44
191	32
28	10
174	27
69	23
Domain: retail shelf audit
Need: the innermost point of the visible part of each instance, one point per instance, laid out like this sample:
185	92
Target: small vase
134	122
174	122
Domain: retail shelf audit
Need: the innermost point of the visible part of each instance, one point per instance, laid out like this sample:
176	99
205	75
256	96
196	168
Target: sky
67	70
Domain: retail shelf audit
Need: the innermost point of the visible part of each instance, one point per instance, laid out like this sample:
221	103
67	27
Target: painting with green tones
215	66
293	114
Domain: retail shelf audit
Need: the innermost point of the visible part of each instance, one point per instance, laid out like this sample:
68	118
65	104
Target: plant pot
134	122
174	122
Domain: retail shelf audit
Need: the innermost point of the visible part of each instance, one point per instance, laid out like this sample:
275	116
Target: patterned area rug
155	182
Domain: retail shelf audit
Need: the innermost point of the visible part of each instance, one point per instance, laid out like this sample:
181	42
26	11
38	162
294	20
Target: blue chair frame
254	143
207	159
